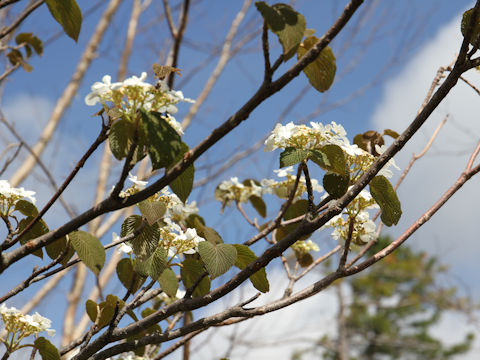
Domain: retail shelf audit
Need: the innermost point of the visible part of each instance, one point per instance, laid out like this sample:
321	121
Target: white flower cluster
283	188
10	195
134	93
177	241
232	190
318	135
304	246
163	297
20	326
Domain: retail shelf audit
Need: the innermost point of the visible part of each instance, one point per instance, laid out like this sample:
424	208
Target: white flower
284	172
124	249
188	241
10	195
100	89
137	81
140	184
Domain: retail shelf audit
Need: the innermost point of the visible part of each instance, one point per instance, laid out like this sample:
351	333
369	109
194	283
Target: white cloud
451	233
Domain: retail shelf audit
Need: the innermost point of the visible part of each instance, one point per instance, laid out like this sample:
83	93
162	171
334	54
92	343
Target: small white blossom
138	183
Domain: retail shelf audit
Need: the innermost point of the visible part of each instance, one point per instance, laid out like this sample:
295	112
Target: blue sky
412	37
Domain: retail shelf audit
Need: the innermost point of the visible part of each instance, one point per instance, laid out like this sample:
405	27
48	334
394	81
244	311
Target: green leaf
46	349
182	185
336	185
168	282
208	233
320	72
164	144
92	309
68	15
15	57
55	249
245	256
476	29
107	311
120	138
26	208
286	23
218	259
385	196
291	156
296	209
190	272
40	228
157	263
152	211
259	205
331	158
130	279
32	42
145	244
192	220
89	250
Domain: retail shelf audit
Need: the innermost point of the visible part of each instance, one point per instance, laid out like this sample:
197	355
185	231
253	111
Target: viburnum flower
9	196
363	229
139	184
232	190
20	326
304	246
123	99
176	241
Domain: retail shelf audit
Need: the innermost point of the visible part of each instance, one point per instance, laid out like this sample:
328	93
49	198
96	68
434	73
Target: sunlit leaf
89	250
245	256
386	197
168	282
68	15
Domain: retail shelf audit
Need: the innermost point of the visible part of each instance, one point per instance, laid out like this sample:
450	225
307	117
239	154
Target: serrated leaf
292	156
120	138
476	29
218	259
164	144
385	196
286	23
190	272
32	40
40	228
55	249
89	250
26	208
320	72
152	210
68	15
336	185
245	256
146	242
335	156
157	263
168	282
46	349
182	186
209	234
128	277
259	205
92	309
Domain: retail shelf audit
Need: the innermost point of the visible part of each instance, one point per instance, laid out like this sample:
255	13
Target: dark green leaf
89	250
291	156
259	205
336	185
476	28
182	185
208	233
320	72
335	159
128	277
55	249
218	259
164	144
26	208
385	196
168	282
46	349
245	256
39	229
68	15
120	138
157	263
145	243
286	23
190	272
192	220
